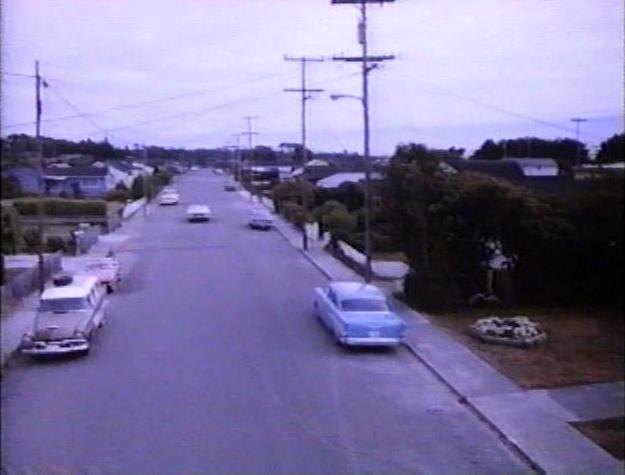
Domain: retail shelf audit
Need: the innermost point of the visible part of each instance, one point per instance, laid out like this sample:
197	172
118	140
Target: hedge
62	207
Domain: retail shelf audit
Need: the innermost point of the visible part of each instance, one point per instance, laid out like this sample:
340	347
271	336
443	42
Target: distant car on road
198	213
68	316
169	198
194	168
230	187
260	220
358	314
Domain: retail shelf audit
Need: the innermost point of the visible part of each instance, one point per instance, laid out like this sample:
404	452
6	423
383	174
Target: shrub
56	243
429	291
117	195
136	191
61	207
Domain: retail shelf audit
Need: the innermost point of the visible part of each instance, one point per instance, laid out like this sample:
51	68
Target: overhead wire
152	101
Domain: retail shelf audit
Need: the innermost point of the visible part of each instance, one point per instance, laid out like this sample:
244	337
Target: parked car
169	198
358	314
230	187
198	213
106	269
260	220
68	316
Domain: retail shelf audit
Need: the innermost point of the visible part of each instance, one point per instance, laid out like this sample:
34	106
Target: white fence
132	208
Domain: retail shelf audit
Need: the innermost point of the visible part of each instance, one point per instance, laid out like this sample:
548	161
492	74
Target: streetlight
367	191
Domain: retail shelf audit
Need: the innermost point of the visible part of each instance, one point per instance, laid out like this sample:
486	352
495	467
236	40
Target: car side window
332	297
92	298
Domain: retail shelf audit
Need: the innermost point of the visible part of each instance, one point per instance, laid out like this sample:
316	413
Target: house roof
316	163
76	172
337	179
122	166
533	162
508	170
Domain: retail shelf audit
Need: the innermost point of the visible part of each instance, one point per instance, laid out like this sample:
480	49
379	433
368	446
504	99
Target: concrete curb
306	254
508	442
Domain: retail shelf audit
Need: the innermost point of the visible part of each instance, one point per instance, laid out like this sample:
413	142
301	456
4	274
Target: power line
30	76
150	102
443	92
215	107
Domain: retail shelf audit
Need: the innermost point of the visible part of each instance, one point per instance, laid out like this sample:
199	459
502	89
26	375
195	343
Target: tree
340	223
488	151
300	192
12	234
559	149
137	189
326	208
10	188
612	150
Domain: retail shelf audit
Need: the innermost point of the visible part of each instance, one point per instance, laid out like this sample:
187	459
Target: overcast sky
465	70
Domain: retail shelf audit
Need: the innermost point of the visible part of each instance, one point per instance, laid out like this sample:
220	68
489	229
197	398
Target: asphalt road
212	363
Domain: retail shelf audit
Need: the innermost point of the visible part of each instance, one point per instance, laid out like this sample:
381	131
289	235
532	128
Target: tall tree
612	150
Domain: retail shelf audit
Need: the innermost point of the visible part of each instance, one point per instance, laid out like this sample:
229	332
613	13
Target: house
27	178
88	182
601	170
536	166
512	172
314	170
337	179
505	169
123	172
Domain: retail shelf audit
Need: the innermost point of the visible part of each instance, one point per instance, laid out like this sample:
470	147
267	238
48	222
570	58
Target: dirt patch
607	433
583	347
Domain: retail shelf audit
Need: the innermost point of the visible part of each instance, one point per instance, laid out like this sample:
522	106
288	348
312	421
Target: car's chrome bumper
60	347
370	341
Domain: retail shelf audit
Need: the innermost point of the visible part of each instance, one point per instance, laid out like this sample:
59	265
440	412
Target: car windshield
364	305
63	305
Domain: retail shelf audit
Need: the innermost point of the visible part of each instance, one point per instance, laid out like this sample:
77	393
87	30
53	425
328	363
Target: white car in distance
169	198
198	213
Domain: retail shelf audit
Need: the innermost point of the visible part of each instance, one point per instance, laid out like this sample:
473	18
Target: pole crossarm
360	59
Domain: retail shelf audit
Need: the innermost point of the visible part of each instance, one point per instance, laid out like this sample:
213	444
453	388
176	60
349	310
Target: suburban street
212	362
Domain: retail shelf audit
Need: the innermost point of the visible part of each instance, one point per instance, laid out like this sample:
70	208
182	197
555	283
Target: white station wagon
67	318
198	213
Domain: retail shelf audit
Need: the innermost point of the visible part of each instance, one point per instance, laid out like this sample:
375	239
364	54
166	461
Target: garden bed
607	433
583	347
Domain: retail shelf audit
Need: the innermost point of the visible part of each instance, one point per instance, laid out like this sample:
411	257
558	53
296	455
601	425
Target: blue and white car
358	314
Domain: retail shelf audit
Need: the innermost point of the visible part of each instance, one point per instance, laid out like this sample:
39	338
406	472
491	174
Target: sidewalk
20	319
534	423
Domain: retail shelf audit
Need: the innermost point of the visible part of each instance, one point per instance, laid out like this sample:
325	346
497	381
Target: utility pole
42	184
146	184
368	63
237	158
578	152
250	132
306	94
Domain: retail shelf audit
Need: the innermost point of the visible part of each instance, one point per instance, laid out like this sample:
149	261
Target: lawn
608	433
583	347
